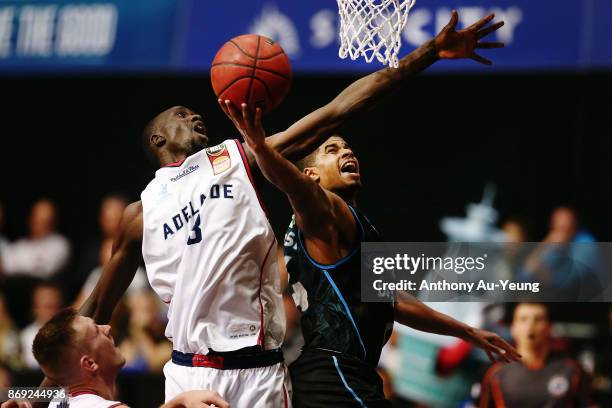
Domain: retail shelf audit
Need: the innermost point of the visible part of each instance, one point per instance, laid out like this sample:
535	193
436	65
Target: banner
184	35
88	35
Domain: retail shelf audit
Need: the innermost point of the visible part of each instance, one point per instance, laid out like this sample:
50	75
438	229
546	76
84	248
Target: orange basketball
251	69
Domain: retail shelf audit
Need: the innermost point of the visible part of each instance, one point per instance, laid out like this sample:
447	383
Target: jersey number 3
196	233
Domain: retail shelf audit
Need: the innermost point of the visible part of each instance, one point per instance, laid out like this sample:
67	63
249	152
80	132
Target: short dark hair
53	341
149	130
308	161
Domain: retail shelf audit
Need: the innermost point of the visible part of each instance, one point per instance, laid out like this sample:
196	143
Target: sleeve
486	390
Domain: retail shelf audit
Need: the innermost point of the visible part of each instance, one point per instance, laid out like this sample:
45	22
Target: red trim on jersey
250	174
285	396
489	386
176	164
116	405
260	338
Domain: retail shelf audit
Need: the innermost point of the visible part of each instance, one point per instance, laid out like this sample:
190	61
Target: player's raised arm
307	133
317	211
121	268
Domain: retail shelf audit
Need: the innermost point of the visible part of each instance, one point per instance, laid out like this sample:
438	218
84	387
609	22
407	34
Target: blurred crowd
40	274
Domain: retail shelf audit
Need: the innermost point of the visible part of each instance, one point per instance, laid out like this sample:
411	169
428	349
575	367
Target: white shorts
261	387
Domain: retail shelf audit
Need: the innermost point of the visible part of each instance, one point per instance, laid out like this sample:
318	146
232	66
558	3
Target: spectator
139	282
9	338
515	231
111	210
44	252
47	300
145	348
567	257
538	380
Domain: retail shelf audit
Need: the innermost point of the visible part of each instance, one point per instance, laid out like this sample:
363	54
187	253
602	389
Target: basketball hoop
372	28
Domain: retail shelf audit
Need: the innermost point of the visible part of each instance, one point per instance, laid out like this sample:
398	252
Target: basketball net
373	28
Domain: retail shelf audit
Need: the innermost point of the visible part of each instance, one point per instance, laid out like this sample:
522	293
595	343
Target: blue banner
90	35
184	35
538	34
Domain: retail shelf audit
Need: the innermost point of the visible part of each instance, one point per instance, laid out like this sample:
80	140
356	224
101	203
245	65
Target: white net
373	28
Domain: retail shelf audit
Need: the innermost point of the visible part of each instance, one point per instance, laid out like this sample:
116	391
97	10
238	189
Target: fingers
233	112
246	115
453	21
480	59
258	115
482	22
217	401
486	31
489	45
223	107
511	352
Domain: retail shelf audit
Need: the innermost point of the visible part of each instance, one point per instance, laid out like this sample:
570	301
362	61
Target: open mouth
200	128
349	167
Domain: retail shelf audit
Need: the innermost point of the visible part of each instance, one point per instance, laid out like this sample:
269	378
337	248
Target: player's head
175	131
334	166
531	325
72	349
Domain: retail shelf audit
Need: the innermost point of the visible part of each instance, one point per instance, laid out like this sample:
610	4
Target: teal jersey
329	296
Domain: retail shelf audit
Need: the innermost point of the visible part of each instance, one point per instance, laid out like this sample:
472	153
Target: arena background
536	124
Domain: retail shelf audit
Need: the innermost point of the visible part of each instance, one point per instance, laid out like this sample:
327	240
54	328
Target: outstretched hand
249	126
452	44
492	344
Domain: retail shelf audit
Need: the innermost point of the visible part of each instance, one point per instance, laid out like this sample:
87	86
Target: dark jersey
559	384
329	297
343	337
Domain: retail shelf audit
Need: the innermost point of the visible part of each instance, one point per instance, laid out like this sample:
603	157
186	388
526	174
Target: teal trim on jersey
353	393
348	311
341	261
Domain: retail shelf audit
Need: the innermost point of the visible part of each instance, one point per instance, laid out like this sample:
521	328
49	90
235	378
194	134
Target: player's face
183	130
99	345
337	166
530	325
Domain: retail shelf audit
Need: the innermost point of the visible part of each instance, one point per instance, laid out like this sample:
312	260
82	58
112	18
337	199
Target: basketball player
343	336
539	380
81	356
209	249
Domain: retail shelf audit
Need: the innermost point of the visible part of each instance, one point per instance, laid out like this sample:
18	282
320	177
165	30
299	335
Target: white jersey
85	400
210	253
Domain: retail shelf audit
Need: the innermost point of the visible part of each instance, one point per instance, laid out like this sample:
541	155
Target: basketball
251	69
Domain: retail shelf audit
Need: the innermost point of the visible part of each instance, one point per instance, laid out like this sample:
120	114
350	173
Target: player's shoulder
133	210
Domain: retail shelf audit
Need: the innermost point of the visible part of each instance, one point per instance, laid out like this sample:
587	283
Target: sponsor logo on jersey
185	172
558	385
238	330
219	158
